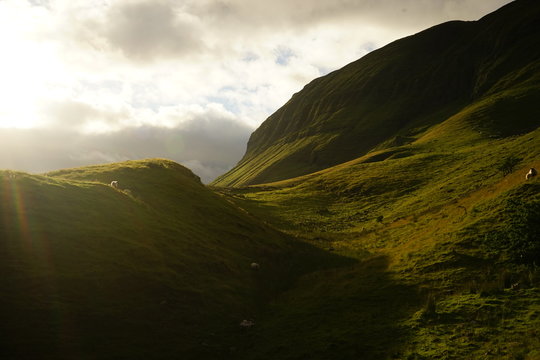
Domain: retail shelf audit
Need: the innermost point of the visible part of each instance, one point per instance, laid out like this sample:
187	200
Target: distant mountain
393	95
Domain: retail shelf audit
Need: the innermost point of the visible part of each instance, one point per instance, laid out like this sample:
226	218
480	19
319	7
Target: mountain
393	95
156	268
446	237
412	162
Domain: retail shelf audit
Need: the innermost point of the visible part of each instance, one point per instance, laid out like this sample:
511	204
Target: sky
96	81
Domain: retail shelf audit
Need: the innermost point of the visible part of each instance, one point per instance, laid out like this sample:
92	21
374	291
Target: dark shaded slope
158	269
392	95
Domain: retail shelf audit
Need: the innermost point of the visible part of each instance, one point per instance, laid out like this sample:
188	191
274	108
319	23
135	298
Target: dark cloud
74	114
153	30
145	30
208	146
262	15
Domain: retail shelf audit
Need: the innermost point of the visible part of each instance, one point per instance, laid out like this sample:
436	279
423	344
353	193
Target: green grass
400	237
426	208
380	257
347	314
160	270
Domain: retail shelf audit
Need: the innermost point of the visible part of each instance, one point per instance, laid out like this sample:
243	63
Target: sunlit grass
159	265
422	212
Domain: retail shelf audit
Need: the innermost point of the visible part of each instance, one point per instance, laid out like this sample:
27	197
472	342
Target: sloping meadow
457	227
158	267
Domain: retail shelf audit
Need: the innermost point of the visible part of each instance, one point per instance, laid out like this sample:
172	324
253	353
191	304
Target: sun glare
27	68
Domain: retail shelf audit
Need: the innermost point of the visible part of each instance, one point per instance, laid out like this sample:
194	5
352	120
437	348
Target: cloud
96	81
70	114
209	141
282	15
146	30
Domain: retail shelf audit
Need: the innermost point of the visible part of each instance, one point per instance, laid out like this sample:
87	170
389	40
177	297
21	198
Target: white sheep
114	184
255	266
247	324
532	173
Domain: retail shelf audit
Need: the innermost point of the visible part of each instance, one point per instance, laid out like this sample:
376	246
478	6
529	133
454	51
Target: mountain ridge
399	90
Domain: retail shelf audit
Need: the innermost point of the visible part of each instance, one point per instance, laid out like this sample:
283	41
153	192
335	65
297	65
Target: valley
382	213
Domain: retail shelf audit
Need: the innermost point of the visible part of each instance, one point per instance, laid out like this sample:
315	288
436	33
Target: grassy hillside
448	249
157	269
393	95
387	207
411	161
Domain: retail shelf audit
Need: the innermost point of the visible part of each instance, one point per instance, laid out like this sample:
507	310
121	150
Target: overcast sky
96	81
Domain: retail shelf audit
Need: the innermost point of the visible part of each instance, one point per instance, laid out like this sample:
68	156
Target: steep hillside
446	232
159	268
412	161
393	95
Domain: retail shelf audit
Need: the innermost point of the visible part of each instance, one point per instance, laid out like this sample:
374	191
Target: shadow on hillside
282	269
341	313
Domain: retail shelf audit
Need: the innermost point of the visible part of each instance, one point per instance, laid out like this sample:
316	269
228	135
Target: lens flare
28	249
19	209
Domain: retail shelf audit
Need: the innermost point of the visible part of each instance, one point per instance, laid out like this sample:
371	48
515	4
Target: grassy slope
157	269
392	95
419	217
161	270
437	229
